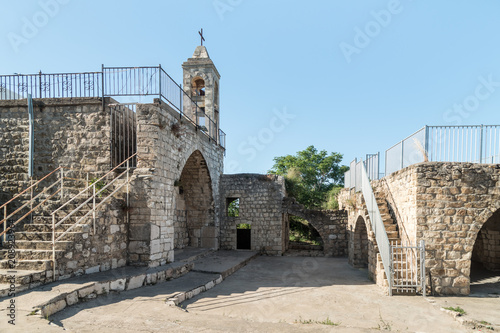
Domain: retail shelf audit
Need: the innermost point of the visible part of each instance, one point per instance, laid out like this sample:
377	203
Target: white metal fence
473	144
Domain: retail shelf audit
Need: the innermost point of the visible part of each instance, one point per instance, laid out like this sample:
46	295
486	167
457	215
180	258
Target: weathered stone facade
69	132
447	205
260	205
175	187
330	224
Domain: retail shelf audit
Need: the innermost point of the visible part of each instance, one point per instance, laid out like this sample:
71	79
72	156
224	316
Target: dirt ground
270	294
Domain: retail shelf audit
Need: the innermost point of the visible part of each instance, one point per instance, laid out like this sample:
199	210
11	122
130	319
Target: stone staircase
33	264
33	244
400	263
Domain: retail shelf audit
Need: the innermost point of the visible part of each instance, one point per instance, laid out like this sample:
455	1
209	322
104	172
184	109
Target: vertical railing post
402	153
422	266
378	165
128	170
426	143
62	186
40	84
4	237
53	247
102	87
159	82
390	277
93	205
481	145
181	102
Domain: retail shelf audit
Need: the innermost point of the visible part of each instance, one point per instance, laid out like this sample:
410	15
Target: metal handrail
377	225
94	206
4	206
35	184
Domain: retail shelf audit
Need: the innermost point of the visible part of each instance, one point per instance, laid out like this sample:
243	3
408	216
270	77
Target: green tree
312	177
233	208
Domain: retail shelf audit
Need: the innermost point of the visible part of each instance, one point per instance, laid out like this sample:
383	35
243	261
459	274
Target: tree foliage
233	208
312	177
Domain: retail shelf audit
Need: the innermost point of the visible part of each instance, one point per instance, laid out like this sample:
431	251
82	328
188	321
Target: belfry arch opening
194	224
485	261
198	86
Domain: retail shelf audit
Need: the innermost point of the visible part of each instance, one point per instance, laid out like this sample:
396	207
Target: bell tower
201	83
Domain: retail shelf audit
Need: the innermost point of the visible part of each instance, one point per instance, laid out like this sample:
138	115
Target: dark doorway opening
243	237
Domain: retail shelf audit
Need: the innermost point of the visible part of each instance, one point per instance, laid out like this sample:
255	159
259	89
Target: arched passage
485	262
303	237
194	225
360	244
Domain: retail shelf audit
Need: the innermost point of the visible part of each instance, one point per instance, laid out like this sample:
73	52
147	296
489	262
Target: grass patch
327	321
457	309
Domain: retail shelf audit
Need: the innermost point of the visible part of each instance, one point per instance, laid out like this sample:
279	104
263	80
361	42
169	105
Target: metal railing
113	82
408	268
41	85
123	133
96	195
55	187
473	144
377	224
353	179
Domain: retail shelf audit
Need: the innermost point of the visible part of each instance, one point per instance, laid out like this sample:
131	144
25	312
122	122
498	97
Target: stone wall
330	224
160	210
261	198
446	205
360	235
69	132
90	252
454	201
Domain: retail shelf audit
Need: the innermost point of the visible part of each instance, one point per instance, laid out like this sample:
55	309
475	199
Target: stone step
45	236
35	227
22	277
392	234
34	265
29	254
42	245
390	227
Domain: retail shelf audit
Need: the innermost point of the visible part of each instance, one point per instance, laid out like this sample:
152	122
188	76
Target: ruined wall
165	143
69	132
330	224
261	199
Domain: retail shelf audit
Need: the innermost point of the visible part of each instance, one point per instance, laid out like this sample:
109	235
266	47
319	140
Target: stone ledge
91	290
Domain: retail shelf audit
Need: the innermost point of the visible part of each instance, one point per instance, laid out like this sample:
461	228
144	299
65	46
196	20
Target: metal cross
202	38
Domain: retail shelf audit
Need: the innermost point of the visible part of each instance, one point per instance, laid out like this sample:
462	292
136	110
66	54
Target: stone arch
198	86
360	244
194	224
474	240
312	226
485	253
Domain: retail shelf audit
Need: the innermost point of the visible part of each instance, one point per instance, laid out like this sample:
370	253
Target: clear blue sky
352	77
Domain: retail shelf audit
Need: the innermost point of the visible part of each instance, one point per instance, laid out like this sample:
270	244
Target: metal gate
123	123
408	268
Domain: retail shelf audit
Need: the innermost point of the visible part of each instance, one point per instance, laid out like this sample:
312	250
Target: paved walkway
270	294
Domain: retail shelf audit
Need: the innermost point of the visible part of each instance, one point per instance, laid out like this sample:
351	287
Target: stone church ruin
93	180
